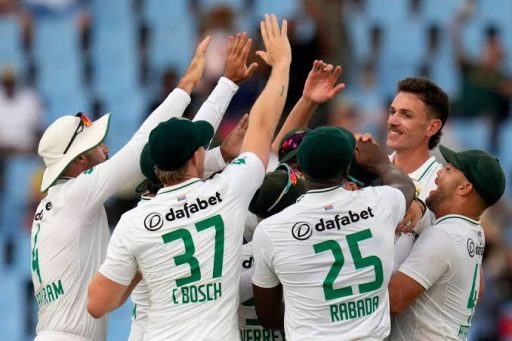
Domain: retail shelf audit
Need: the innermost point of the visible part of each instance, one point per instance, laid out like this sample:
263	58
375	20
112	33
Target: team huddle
297	234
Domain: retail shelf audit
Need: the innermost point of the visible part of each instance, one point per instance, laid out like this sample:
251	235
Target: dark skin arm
370	156
269	306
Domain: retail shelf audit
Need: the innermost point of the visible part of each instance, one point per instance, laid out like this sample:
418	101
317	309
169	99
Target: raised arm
268	107
369	155
320	87
122	171
236	71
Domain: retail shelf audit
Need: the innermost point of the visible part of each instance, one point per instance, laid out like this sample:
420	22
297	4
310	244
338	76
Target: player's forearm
392	176
298	118
173	106
268	108
214	108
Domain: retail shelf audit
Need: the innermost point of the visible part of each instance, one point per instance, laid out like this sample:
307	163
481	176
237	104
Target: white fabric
424	181
213	162
174	312
21	118
250	326
251	221
446	260
70	233
287	249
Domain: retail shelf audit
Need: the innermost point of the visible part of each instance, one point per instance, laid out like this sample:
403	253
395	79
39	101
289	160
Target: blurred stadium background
122	56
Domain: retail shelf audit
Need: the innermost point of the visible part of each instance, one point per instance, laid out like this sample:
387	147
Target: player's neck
463	208
409	161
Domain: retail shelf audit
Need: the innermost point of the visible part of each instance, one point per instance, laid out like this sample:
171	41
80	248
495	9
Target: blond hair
173	176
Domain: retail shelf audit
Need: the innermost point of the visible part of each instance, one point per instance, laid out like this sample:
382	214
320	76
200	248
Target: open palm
320	85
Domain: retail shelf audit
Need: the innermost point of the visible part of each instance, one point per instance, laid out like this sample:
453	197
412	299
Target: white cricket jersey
250	326
186	243
332	251
446	260
424	181
140	296
70	234
424	177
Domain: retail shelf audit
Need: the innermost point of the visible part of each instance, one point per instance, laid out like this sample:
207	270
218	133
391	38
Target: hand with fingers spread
230	147
196	68
275	39
236	61
320	85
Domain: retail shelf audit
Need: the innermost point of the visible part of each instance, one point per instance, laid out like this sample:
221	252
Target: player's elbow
94	310
94	306
395	309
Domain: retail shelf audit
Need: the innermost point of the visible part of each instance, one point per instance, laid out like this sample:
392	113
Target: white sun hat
65	139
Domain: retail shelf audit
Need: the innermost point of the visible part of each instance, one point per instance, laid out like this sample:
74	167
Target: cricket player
435	291
416	119
186	241
230	148
70	231
330	254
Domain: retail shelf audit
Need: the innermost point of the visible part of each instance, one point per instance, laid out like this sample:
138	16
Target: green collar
174	188
457	216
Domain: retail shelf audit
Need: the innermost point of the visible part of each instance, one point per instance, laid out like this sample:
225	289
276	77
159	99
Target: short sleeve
245	175
430	257
213	162
264	275
120	265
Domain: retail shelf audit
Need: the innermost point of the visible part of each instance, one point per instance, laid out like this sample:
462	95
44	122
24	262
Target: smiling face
450	182
409	124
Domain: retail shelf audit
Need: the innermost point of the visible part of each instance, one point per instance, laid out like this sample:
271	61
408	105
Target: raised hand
369	155
236	61
320	85
196	67
230	148
278	50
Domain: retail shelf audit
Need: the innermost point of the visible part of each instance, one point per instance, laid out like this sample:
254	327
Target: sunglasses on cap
84	121
291	181
291	143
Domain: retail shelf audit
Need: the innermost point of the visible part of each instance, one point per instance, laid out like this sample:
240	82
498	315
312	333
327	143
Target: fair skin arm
320	87
105	295
230	147
196	68
403	290
267	109
236	69
269	306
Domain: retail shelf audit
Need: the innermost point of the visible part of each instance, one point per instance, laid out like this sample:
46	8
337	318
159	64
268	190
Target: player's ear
434	127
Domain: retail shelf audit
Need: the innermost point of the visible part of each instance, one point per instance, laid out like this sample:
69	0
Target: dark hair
436	100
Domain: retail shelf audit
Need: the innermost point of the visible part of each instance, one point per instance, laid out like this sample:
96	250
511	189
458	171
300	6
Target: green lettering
352	310
257	335
49	291
35	255
343	312
334	313
217	290
375	301
184	294
360	308
58	289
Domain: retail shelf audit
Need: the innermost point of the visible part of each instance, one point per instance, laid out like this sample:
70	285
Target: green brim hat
326	152
174	142
481	169
280	189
